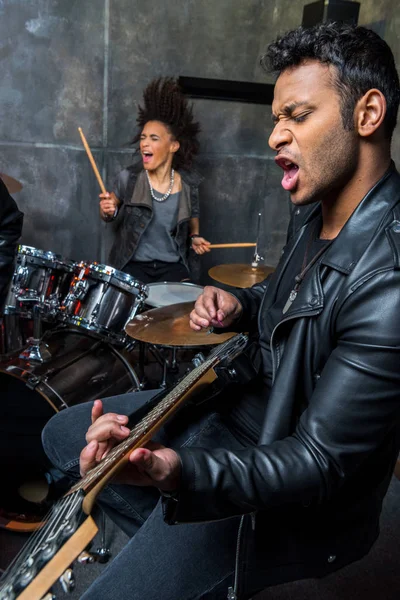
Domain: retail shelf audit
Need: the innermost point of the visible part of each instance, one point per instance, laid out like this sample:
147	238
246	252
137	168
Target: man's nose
280	136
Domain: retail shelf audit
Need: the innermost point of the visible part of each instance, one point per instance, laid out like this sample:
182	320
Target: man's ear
370	112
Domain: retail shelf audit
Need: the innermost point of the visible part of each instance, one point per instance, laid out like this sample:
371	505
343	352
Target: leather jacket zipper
233	591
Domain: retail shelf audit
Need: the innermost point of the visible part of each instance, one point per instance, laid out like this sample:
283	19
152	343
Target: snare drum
103	300
165	293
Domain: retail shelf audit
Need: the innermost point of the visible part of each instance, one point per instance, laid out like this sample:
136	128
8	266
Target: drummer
156	200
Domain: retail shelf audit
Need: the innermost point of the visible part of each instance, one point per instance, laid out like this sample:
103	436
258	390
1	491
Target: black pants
157	270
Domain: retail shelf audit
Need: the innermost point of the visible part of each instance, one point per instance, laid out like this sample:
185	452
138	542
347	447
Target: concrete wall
65	64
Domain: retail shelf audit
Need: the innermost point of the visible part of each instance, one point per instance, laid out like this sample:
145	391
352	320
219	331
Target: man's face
317	154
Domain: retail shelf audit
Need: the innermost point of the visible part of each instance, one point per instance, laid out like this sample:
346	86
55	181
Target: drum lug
33	381
20	278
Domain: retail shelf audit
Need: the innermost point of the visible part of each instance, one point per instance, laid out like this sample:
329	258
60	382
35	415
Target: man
11	220
285	479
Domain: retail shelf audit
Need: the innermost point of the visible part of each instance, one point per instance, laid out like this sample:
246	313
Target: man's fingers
97	410
88	457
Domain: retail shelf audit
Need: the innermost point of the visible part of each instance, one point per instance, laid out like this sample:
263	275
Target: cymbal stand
167	365
256	257
36	349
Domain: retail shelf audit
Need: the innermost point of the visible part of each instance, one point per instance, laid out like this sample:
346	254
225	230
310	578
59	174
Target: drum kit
72	332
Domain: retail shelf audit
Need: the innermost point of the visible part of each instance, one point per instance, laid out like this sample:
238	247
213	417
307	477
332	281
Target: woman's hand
108	205
200	245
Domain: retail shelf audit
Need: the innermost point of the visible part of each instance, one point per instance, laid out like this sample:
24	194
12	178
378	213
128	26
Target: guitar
69	527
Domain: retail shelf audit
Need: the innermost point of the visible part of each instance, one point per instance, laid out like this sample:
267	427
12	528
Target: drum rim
38	252
185	283
115	276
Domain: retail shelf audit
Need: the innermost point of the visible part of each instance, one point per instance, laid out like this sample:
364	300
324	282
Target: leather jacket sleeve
11	220
350	417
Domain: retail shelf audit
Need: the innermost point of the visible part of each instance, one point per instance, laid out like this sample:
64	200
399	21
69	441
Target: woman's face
157	145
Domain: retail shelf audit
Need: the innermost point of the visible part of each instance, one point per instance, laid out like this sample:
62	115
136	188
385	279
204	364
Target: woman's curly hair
164	101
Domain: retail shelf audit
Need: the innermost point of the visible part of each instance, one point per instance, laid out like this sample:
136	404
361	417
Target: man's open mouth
291	169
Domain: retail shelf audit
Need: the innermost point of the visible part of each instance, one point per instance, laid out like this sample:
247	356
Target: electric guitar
69	527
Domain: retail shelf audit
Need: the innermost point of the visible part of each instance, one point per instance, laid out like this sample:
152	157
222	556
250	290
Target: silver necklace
167	193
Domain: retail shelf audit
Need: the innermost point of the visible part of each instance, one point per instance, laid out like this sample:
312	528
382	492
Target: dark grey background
65	64
84	63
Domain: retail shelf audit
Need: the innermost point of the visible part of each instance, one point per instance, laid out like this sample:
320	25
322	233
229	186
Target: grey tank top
157	243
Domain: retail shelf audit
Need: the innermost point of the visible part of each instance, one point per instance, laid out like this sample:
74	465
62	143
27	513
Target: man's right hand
108	204
216	308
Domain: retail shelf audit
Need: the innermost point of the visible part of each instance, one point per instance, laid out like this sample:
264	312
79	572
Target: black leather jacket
330	437
11	220
136	213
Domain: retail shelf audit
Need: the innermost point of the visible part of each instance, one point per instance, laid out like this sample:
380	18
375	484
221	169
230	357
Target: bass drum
80	368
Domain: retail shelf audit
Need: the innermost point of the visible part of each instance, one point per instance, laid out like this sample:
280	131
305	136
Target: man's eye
300	118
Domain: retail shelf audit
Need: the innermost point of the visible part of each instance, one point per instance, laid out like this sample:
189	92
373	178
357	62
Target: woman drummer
156	201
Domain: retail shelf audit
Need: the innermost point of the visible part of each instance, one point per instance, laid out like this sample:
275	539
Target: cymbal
240	275
11	184
169	326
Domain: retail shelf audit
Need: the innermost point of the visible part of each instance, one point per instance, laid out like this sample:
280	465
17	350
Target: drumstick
245	245
90	155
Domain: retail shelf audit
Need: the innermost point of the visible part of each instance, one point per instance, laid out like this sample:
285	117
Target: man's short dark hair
363	61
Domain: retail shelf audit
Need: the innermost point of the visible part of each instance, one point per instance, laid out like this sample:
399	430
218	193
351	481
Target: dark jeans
160	562
151	272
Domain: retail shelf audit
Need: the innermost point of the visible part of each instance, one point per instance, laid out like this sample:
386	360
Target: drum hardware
36	349
168	365
256	257
256	260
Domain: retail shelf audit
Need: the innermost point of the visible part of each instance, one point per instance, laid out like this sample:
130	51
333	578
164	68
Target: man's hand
214	307
108	204
106	431
154	465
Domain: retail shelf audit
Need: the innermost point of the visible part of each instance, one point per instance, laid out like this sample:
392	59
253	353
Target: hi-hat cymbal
11	184
169	326
239	275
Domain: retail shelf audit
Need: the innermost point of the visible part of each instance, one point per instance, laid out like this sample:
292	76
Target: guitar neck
200	377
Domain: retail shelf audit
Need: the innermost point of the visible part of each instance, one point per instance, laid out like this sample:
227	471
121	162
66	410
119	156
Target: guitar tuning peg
67	581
